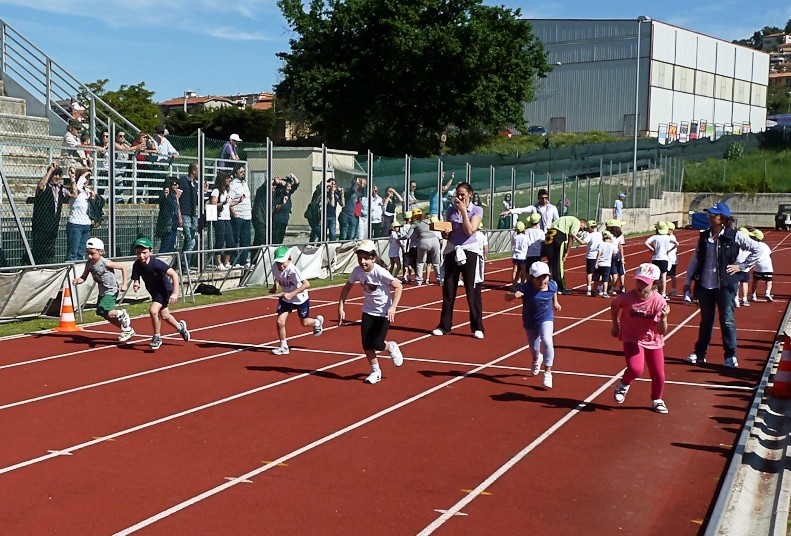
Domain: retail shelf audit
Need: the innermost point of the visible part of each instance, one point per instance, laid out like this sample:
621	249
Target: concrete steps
12	106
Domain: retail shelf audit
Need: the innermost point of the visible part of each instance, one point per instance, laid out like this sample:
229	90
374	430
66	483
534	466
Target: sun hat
591	223
758	235
744	230
144	242
395	225
671	225
520	226
606	234
416	212
94	243
719	208
539	269
533	219
365	246
408	214
281	254
647	273
235	137
661	227
614	223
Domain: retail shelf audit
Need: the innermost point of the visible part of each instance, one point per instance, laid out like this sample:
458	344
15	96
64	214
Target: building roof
179	101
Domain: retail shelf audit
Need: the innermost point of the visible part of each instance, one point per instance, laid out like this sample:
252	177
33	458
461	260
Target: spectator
228	154
556	247
410	197
86	157
376	213
78	227
123	155
362	222
427	246
715	272
548	211
166	151
71	140
260	212
188	203
241	213
617	209
47	206
281	203
462	256
146	153
435	208
313	212
391	201
334	200
349	217
169	219
223	232
506	220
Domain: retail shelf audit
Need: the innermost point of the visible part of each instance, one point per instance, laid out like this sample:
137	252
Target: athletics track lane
448	426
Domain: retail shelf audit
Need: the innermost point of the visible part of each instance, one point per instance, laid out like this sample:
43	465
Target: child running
162	282
763	269
539	297
294	298
395	250
639	320
379	308
103	272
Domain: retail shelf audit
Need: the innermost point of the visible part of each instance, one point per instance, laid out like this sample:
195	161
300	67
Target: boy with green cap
162	282
294	298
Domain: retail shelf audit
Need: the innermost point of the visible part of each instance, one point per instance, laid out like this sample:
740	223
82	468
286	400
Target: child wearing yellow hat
763	267
519	254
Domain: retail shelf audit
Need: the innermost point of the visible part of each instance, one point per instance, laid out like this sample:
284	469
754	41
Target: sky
215	47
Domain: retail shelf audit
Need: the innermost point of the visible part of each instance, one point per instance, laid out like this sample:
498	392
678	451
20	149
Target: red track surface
219	436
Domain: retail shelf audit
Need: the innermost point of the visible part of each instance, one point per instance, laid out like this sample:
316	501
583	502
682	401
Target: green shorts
105	305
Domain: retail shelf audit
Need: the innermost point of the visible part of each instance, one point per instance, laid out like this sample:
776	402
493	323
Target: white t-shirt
519	245
605	250
672	256
376	289
593	239
395	244
764	263
223	200
661	244
289	280
535	237
244	209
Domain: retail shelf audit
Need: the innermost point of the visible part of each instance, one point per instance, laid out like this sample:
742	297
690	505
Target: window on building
684	79
723	87
704	84
741	91
758	95
661	74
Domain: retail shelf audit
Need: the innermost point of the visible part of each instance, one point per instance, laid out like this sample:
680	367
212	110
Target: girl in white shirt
660	245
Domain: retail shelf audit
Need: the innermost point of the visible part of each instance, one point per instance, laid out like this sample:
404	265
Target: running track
219	436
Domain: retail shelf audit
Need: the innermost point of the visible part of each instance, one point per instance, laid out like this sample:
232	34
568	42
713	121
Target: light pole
640	20
789	102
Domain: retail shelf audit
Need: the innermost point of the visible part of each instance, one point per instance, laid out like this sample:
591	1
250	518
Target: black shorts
161	297
590	266
662	265
302	309
743	277
672	271
602	274
519	262
373	331
762	276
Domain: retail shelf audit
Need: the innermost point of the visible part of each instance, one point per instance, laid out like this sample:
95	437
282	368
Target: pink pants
636	359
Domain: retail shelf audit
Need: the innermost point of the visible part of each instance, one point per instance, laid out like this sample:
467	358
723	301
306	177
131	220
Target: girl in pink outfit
639	320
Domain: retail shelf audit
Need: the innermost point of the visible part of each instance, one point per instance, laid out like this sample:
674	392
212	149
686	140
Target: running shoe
745	303
156	342
770	298
438	332
548	380
659	406
185	333
478	334
731	362
123	316
536	368
318	326
620	392
126	334
374	377
281	350
694	359
395	353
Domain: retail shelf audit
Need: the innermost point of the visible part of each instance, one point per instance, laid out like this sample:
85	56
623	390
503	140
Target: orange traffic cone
782	382
67	320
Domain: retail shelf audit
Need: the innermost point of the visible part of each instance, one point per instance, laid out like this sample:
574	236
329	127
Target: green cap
144	242
281	254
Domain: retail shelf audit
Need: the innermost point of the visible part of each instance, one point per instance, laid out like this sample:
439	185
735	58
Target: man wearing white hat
228	153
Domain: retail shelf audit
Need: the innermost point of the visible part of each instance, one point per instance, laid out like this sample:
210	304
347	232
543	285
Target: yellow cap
533	219
661	227
416	212
520	226
758	235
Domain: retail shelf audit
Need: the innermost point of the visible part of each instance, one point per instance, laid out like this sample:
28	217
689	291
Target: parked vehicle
537	130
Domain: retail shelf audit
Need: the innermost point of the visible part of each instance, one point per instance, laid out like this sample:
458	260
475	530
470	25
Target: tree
134	102
394	76
253	126
787	29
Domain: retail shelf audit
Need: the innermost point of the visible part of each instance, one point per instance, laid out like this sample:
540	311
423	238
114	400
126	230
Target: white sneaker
478	334
548	380
693	358
281	350
318	326
220	267
659	406
745	303
126	334
374	377
185	333
396	355
753	298
769	298
126	321
536	368
438	332
731	362
620	392
736	302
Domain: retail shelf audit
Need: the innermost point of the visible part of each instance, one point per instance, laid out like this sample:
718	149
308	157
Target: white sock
283	344
375	368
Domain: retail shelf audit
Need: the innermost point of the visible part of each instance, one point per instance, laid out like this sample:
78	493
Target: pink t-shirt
639	318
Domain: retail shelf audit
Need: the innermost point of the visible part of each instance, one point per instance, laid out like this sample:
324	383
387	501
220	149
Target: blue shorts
302	309
520	262
744	277
161	297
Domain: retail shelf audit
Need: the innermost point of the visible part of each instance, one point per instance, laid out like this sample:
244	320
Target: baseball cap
622	195
281	254
144	242
606	234
94	243
661	227
395	225
539	268
235	137
365	246
647	273
591	223
417	212
671	225
758	235
408	214
533	219
520	226
744	230
719	208
614	223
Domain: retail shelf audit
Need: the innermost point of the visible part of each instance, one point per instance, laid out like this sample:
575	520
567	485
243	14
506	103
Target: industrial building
679	84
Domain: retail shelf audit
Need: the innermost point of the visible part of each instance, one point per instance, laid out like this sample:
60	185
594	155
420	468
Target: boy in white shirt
660	245
379	308
604	252
592	238
763	269
294	298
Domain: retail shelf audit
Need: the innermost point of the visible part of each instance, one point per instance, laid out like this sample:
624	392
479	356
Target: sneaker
318	326
548	380
185	333
694	359
605	295
395	353
731	362
589	292
620	392
438	332
281	350
156	342
745	303
565	292
235	266
736	302
478	334
536	368
125	320
659	406
769	298
374	377
601	293
126	334
753	298
688	298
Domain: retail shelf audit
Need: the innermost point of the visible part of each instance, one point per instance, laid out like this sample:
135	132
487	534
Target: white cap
647	273
365	246
95	243
539	269
235	137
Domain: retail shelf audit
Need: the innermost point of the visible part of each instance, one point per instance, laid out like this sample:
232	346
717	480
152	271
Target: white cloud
234	34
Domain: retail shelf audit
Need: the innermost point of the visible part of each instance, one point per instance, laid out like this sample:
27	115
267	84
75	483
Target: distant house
191	102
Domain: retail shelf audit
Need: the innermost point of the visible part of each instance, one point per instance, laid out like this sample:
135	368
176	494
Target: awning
349	171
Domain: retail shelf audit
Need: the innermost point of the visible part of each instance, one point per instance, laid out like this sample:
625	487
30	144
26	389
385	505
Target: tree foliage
251	125
392	76
134	102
